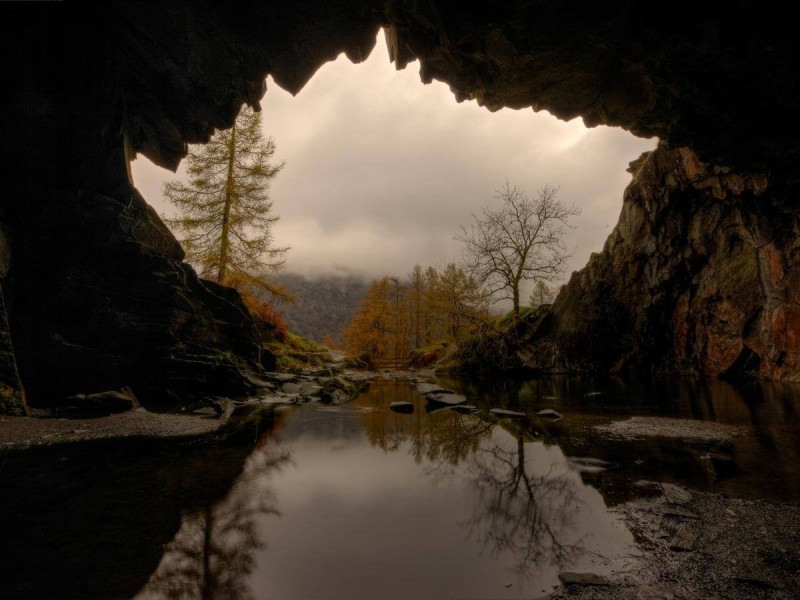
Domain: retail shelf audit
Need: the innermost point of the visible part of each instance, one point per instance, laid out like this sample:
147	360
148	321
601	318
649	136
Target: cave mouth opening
376	159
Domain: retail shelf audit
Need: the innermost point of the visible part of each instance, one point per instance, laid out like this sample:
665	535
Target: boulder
111	401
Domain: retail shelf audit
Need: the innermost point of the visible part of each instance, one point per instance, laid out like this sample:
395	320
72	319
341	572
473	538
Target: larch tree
521	240
224	212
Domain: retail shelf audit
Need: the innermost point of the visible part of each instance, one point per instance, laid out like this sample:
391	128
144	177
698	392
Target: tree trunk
516	299
224	242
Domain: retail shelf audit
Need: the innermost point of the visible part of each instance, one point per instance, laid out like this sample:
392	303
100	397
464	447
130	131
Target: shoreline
22	433
703	545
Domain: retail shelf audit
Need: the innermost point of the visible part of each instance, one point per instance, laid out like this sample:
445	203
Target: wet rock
674	494
684	539
549	413
719	465
593	394
292	387
206	411
575	578
432	388
466	409
333	396
503	413
449	399
258	381
279	377
310	389
112	401
402	407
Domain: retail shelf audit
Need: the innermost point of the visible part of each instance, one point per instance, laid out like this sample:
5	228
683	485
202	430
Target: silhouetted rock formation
92	304
700	275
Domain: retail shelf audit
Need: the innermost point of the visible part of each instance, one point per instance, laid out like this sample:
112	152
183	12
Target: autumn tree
397	316
370	332
460	301
224	213
521	240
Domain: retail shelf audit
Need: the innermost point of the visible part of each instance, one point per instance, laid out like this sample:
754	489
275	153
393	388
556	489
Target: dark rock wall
12	394
701	275
102	301
97	295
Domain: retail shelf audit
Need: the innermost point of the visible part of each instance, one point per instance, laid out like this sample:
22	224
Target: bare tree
521	240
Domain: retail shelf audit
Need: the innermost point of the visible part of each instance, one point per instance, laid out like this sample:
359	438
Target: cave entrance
381	169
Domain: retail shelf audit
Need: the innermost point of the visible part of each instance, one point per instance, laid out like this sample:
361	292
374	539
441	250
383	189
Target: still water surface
359	501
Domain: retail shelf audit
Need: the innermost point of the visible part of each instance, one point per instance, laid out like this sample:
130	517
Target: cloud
382	170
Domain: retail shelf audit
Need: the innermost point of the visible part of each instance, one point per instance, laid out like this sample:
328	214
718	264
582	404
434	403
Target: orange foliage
269	320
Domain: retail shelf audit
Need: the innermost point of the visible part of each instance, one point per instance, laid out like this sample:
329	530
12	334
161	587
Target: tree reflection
520	506
444	437
531	515
213	552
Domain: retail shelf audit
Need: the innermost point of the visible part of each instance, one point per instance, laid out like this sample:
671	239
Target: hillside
324	305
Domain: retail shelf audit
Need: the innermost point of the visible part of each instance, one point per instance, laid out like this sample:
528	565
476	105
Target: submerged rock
508	414
402	407
549	413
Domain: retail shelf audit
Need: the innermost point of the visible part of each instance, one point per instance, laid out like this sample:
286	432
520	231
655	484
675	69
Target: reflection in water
438	504
213	553
519	511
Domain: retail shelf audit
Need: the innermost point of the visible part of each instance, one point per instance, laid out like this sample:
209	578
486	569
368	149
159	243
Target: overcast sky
382	170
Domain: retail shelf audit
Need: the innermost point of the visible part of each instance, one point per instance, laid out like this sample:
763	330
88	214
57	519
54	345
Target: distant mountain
324	305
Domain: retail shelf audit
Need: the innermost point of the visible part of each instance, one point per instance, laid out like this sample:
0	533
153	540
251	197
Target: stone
466	409
589	579
310	389
446	398
402	407
674	494
292	387
280	378
206	411
684	539
432	388
111	401
549	413
503	413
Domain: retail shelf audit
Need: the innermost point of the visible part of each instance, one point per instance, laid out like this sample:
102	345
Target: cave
95	293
